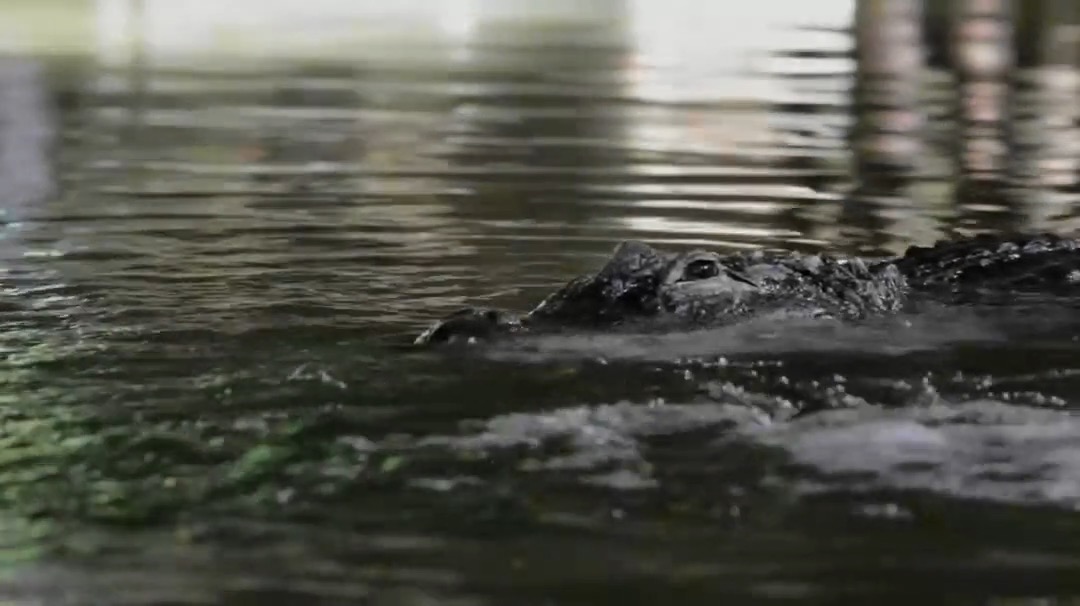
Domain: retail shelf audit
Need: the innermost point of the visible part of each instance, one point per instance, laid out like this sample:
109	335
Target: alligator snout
468	326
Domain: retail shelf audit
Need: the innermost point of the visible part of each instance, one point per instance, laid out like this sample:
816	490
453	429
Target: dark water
210	397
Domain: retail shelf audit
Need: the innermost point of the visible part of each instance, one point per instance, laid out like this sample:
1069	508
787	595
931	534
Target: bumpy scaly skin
790	284
1041	262
645	288
627	286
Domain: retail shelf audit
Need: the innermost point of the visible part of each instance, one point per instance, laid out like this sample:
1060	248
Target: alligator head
626	286
639	282
642	287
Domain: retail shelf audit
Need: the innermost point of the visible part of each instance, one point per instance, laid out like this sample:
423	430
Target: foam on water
978	449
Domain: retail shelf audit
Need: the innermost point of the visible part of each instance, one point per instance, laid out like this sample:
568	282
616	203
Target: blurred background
958	116
222	223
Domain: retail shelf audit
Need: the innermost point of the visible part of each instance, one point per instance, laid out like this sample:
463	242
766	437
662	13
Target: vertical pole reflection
984	58
886	135
28	131
1049	131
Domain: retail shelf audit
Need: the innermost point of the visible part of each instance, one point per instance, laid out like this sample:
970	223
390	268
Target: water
210	396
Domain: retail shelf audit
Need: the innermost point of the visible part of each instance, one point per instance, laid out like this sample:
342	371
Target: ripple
209	394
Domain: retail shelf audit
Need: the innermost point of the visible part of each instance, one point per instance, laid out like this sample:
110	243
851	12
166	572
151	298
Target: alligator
643	288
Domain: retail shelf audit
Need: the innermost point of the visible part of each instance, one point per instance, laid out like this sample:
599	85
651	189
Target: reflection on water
210	398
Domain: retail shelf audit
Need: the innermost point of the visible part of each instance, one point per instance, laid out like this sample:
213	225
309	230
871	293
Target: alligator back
1042	262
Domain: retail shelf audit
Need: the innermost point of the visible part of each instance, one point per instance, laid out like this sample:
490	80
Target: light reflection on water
210	398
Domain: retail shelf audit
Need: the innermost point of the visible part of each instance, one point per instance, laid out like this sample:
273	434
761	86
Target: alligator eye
701	269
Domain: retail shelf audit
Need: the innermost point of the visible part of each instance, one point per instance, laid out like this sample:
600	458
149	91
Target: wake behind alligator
645	289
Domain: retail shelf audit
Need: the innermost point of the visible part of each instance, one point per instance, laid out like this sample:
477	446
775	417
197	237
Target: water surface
210	397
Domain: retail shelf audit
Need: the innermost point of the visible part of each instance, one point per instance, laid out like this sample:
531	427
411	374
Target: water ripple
209	394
